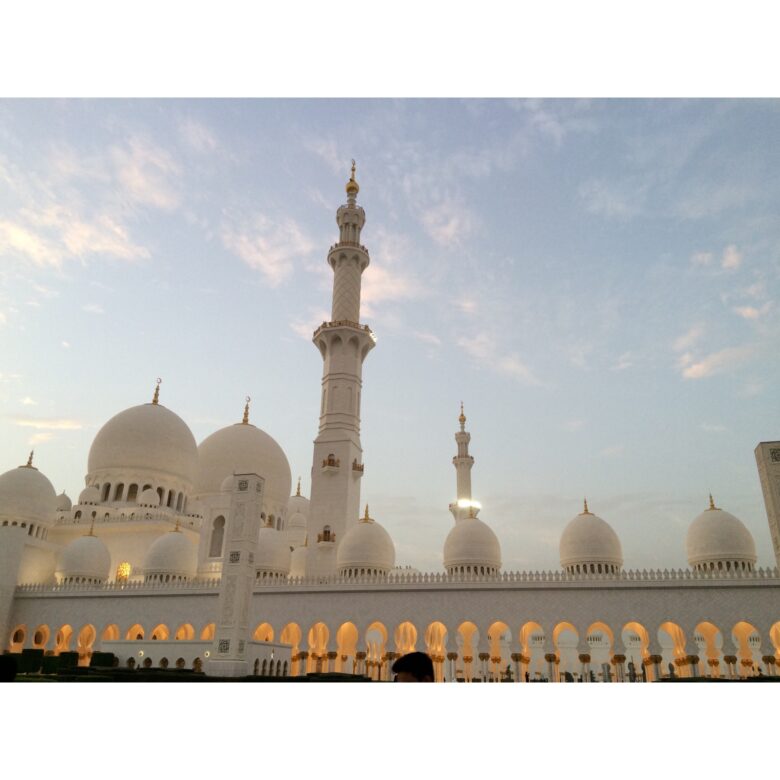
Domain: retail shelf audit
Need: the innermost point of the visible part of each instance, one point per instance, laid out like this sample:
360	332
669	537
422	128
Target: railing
139	515
767	575
115	587
353	244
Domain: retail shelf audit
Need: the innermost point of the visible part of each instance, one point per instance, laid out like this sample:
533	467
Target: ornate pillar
360	657
516	659
468	671
303	658
693	664
585	670
619	660
714	665
332	656
551	659
483	666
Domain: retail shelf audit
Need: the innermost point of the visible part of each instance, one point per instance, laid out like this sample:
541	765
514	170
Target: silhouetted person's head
7	668
413	667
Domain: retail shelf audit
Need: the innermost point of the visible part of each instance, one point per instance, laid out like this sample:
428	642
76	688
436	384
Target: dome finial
245	420
298	489
712	503
585	510
177	527
92	526
462	418
156	397
352	186
29	464
366	518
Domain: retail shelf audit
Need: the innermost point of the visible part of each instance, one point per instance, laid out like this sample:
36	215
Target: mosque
198	556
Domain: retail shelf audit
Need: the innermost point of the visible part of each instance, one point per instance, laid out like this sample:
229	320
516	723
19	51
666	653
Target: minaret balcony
347	243
357	468
326	536
331	464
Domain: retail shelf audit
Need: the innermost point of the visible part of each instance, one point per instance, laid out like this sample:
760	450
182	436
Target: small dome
718	540
296	527
470	547
149	497
590	542
26	494
365	548
273	552
64	504
172	556
148	437
298	561
227	484
297	520
89	496
85	559
243	449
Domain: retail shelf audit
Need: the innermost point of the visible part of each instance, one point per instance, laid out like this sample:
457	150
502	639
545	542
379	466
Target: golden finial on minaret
352	186
462	418
245	421
366	518
585	511
156	397
298	489
712	503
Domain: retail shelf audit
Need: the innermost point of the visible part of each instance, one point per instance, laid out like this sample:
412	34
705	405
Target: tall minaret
343	343
463	505
768	461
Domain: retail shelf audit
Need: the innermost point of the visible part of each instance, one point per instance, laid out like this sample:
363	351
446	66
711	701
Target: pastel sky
596	280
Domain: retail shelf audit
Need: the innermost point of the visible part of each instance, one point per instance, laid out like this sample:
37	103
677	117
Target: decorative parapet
331	463
114	515
358	467
622	579
119	587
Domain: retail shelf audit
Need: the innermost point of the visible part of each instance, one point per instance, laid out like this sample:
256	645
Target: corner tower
343	343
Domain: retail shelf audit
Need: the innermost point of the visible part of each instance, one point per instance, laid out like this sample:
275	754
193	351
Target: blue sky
597	280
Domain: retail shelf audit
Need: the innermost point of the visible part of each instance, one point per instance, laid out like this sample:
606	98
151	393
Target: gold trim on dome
298	489
462	418
156	396
366	518
245	420
29	464
712	504
585	510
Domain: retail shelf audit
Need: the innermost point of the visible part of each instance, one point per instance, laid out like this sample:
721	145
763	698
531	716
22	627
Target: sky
596	279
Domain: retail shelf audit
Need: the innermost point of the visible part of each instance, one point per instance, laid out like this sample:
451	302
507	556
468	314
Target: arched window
170	498
161	494
217	534
106	491
132	493
179	502
118	490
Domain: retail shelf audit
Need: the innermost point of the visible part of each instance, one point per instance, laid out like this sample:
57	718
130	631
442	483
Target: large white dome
85	559
718	540
148	437
273	552
590	543
471	547
365	548
171	556
27	495
298	503
298	561
64	504
243	449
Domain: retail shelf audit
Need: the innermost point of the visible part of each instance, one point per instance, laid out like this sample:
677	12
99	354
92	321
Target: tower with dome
152	561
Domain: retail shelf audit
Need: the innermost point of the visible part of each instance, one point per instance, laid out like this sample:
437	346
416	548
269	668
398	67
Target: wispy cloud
689	339
713	427
48	423
573	425
483	350
613	451
147	173
27	401
93	308
611	200
428	338
701	258
626	360
448	222
715	363
751	312
305	327
732	258
38	438
383	283
197	136
268	245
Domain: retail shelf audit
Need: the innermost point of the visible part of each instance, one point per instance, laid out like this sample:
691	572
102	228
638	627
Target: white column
228	654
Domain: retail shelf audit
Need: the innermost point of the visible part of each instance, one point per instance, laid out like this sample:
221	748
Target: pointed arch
110	633
186	632
405	637
264	633
207	633
291	635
